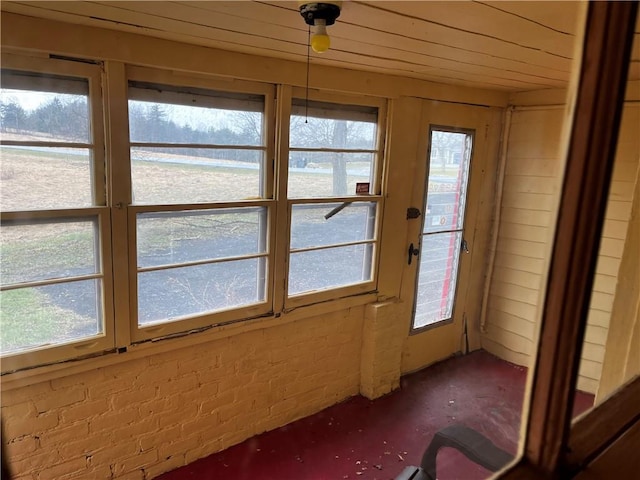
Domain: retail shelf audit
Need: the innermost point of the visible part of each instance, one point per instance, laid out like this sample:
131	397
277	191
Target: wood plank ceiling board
366	43
561	16
189	20
482	21
513	46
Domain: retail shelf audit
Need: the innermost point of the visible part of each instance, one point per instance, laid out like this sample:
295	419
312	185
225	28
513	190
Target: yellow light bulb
320	40
320	43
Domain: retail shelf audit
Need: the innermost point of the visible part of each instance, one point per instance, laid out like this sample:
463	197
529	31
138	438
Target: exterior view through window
332	159
51	279
89	261
442	231
198	178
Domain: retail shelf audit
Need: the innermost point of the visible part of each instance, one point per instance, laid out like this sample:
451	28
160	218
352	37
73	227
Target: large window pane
178	237
333	126
36	177
48	251
164	295
437	280
329	268
327	174
45	116
193	175
156	122
48	315
310	226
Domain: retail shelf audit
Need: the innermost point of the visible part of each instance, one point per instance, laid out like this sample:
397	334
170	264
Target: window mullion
281	230
119	198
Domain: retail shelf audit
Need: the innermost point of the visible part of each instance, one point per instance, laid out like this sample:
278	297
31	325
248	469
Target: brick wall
139	418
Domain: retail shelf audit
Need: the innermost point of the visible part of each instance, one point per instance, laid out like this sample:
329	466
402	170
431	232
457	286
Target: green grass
19	258
28	319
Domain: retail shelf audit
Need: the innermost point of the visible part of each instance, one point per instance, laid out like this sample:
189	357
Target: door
444	268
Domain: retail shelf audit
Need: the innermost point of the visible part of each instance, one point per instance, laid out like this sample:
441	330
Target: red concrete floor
375	440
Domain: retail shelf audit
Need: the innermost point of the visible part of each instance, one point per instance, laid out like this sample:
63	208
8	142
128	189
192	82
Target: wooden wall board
530	189
512	307
520	216
615	229
515	292
515	324
523	248
517	262
530	184
604	284
518	277
530	233
499	350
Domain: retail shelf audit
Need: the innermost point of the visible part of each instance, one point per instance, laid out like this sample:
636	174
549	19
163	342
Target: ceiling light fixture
320	15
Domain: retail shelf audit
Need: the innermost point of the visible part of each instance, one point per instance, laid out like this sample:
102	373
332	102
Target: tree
49	118
13	116
444	145
333	134
338	160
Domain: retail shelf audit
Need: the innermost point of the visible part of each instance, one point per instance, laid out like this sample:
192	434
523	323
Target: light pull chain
306	101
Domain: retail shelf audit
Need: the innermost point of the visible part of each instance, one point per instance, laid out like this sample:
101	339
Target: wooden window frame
98	211
290	302
599	97
153	331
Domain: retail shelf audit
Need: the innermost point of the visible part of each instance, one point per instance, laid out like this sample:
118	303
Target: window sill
22	378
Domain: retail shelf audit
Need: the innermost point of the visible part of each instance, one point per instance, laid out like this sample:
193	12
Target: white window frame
116	214
376	196
237	314
45	355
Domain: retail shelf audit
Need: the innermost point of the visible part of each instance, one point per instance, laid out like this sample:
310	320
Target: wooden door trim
592	144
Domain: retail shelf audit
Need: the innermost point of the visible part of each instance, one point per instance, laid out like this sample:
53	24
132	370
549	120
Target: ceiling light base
327	11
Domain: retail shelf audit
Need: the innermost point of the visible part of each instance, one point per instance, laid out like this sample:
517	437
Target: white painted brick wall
140	418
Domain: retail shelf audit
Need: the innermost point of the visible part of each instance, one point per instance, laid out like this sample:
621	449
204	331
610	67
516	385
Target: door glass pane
166	238
448	178
438	277
310	226
329	268
51	314
445	200
164	295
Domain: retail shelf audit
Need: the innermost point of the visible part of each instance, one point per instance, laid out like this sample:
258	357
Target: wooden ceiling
504	45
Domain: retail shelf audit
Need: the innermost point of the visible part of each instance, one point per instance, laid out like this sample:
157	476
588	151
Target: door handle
413	251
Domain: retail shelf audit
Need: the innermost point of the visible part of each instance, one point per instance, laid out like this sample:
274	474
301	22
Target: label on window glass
362	188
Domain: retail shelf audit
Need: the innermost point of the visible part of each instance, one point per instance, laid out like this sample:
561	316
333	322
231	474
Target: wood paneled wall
530	195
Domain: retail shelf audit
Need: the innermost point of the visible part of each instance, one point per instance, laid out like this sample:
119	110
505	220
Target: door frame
435	342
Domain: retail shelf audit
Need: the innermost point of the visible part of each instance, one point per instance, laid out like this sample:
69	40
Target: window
334	201
201	204
54	258
184	223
